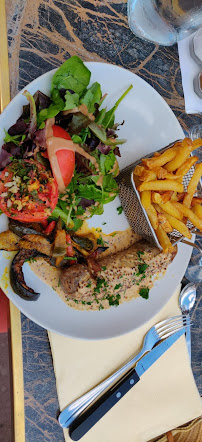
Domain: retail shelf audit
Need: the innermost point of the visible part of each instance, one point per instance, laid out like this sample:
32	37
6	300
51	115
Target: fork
158	332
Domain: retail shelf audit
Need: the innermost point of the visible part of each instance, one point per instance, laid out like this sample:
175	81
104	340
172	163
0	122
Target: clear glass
164	21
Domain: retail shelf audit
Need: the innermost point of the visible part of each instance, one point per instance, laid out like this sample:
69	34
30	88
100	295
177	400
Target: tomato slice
28	192
66	158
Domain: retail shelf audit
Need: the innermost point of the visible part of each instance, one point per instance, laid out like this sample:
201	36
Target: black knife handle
96	411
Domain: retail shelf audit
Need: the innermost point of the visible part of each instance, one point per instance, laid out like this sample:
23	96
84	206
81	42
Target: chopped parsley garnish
104	223
113	234
113	300
144	292
100	241
58	282
119	210
71	258
101	307
76	301
88	303
117	286
139	253
142	267
104	268
89	284
31	259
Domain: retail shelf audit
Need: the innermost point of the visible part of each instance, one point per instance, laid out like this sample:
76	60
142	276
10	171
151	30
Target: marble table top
41	35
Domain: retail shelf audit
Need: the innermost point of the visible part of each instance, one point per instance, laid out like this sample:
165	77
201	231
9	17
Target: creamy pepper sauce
117	282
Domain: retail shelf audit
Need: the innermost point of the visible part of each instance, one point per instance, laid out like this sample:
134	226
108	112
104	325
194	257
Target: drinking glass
164	21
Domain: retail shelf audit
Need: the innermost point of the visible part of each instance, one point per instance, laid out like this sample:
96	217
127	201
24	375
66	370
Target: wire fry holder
135	213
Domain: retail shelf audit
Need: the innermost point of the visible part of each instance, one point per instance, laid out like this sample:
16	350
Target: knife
96	411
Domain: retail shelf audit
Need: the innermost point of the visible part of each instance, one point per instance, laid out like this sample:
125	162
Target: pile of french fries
159	180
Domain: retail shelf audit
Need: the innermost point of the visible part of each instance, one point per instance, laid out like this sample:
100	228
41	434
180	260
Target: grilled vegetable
36	242
17	281
60	244
8	241
83	244
24	229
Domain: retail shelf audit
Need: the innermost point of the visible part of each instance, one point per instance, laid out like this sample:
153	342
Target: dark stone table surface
41	35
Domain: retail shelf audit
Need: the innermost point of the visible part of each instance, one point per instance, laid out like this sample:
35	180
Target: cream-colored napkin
164	398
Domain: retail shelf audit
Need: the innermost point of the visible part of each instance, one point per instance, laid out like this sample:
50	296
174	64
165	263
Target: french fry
136	181
171	210
197	209
160	172
152	215
163	240
197	143
181	156
146	198
196	200
161	198
162	159
189	214
184	168
164	223
147	175
171	176
187	199
139	170
191	189
178	225
174	196
162	185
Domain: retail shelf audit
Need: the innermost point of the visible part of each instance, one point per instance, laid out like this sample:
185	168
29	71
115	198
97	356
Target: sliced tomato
66	158
28	192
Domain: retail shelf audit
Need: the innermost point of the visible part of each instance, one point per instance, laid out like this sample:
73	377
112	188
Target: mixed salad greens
76	110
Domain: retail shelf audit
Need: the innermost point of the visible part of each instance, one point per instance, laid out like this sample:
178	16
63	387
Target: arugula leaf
73	74
96	210
93	95
85	133
58	212
77	224
71	100
49	112
101	115
107	162
108	120
100	133
16	139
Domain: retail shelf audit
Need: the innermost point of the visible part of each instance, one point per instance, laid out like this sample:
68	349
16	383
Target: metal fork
158	332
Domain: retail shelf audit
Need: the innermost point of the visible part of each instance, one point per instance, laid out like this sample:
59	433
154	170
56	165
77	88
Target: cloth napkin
164	398
189	70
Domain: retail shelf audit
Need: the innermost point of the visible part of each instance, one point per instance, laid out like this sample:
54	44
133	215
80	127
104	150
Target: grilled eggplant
17	281
9	241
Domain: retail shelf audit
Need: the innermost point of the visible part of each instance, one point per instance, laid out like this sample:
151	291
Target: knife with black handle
101	406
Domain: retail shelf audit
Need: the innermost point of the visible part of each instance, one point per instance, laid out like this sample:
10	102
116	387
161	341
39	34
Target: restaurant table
42	35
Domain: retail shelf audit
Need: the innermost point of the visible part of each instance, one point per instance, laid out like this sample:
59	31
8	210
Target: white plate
149	125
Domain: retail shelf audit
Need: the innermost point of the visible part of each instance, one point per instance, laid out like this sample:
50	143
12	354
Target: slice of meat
71	277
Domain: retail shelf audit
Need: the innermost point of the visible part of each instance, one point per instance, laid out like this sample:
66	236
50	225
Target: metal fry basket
136	214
